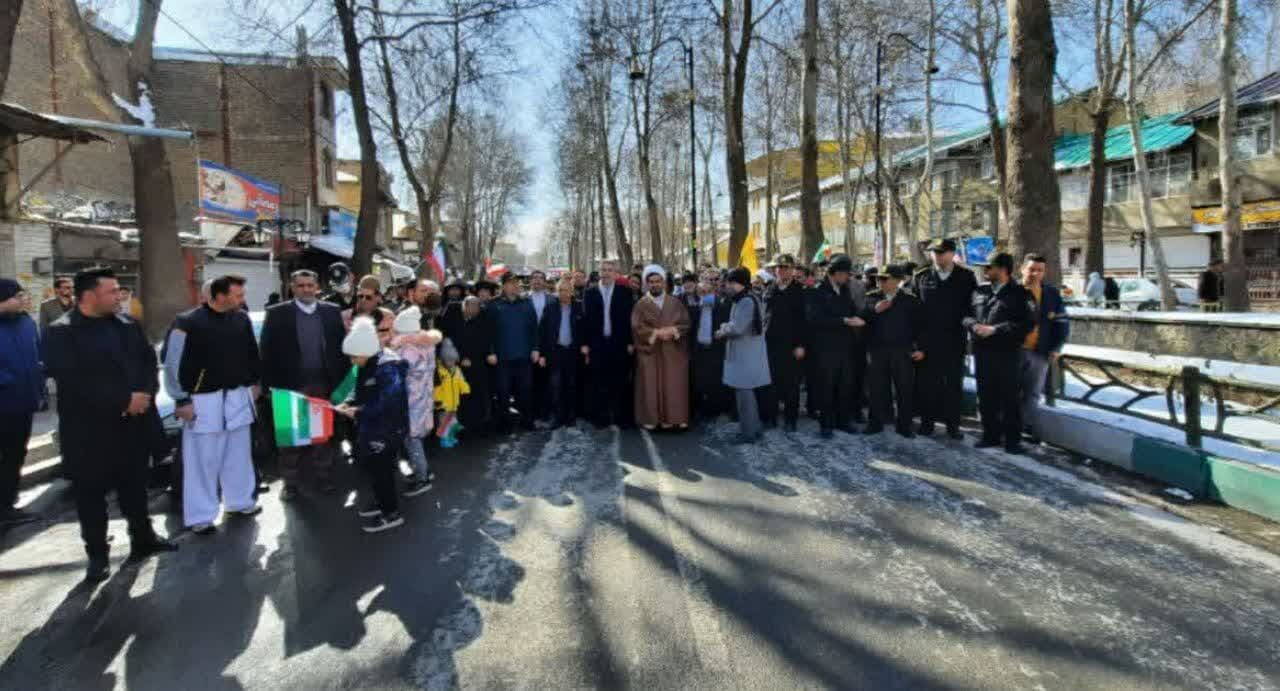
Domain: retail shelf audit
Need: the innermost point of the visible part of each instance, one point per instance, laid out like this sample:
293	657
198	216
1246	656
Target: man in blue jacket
515	324
21	390
1044	344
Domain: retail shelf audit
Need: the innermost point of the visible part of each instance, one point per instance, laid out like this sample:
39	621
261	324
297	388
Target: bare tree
1035	220
597	67
735	61
1235	296
811	236
367	218
9	15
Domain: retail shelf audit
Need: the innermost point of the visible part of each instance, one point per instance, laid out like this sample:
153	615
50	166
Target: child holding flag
381	411
418	350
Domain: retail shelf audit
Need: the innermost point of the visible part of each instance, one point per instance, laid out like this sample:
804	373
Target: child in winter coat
450	389
418	349
381	411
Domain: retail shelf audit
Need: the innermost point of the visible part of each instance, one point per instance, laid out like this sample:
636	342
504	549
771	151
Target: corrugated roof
1158	134
943	144
17	119
1264	90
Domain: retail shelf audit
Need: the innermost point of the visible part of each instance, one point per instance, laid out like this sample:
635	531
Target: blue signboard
342	223
976	250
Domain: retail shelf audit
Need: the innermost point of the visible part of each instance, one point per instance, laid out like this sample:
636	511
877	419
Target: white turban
654	269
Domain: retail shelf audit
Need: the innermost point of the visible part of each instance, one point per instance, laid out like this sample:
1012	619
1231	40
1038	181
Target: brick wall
268	134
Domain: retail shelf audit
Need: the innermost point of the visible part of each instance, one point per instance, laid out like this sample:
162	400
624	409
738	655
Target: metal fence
1228	397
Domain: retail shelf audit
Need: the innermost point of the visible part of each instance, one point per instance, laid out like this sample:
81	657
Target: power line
241	75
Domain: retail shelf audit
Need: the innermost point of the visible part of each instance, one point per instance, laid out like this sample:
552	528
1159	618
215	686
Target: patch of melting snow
1180	493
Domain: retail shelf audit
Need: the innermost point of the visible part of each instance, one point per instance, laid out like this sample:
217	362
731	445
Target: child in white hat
380	407
418	350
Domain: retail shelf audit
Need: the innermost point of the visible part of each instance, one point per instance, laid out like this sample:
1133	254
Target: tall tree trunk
734	74
1168	299
611	184
154	204
810	196
1095	239
847	193
1235	297
9	15
604	222
367	219
1035	221
640	120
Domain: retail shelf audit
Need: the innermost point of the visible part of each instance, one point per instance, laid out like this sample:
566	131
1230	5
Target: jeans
416	450
1035	367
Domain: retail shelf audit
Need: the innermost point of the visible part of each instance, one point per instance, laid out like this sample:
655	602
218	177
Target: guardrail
1187	382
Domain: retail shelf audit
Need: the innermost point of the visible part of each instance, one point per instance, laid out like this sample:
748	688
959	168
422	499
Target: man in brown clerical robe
660	328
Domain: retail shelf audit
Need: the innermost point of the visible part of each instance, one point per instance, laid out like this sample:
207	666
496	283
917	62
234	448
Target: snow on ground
1269	320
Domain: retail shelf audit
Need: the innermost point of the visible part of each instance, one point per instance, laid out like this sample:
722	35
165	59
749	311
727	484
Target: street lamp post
637	73
931	69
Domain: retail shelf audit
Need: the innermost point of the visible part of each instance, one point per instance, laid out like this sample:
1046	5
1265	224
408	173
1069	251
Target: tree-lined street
601	559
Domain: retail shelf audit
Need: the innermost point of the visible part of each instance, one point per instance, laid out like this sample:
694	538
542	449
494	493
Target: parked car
1143	294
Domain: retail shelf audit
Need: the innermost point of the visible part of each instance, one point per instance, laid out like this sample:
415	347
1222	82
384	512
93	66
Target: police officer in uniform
832	318
785	337
893	318
1003	314
946	289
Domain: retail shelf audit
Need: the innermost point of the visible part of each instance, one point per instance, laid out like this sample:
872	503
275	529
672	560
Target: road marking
708	638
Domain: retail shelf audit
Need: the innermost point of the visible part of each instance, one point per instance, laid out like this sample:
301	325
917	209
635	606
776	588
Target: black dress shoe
926	429
1016	449
955	433
873	429
97	571
147	548
906	433
986	444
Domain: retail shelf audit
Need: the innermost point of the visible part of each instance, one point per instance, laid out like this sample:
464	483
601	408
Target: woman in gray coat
746	357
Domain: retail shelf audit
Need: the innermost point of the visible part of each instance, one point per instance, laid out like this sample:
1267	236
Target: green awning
1158	134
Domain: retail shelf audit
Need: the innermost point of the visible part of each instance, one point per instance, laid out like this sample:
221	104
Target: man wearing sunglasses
368	300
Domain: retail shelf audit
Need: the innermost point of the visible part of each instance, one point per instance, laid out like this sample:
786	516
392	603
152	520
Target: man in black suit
301	347
786	339
560	341
946	289
607	346
106	375
1003	314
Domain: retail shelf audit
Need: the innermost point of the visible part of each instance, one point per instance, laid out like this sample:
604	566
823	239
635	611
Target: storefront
1261	223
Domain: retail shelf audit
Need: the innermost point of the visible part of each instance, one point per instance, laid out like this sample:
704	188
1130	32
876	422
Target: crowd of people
864	349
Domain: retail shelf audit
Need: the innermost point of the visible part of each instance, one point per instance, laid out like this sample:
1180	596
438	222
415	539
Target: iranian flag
300	420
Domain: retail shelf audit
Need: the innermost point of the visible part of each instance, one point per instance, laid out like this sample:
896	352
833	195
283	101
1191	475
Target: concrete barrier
1250	338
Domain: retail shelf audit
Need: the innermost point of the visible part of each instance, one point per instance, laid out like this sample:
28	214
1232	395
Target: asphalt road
588	558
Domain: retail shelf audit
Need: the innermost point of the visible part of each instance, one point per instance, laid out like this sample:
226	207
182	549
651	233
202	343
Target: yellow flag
748	257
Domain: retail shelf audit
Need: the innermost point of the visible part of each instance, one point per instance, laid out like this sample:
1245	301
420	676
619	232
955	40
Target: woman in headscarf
746	357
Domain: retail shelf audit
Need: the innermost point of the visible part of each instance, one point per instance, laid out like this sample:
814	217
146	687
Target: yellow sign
1209	219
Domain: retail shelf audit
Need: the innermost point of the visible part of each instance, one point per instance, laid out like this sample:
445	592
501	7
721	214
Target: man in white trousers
212	372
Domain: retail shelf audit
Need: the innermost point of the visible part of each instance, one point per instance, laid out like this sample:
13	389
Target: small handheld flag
345	387
447	430
823	254
300	420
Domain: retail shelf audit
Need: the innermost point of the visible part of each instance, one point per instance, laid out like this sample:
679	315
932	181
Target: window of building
1252	136
1074	190
327	101
1074	255
988	167
326	168
1170	175
1119	183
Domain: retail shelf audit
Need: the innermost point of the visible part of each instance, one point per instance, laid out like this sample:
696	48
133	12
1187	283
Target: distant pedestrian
1095	290
21	393
58	305
380	407
746	356
1111	291
106	375
1210	287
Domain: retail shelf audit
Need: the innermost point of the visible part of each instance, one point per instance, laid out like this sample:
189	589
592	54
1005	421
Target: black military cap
999	259
943	245
509	277
897	271
840	262
783	260
485	284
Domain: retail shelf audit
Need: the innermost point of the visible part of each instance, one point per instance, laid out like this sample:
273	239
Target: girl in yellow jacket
451	386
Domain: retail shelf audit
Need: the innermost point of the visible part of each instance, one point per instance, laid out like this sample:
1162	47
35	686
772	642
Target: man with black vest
946	289
1003	314
785	337
106	375
302	351
212	371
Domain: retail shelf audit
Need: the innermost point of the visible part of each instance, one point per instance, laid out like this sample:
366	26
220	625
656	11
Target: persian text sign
1209	219
231	195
